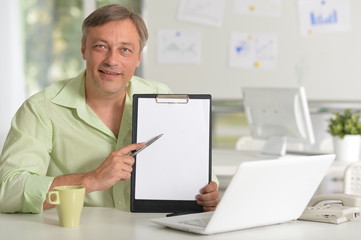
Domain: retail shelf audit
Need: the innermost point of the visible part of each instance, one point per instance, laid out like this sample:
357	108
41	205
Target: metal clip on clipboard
172	98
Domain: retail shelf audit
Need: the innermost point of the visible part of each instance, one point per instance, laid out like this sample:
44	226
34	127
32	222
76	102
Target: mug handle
56	197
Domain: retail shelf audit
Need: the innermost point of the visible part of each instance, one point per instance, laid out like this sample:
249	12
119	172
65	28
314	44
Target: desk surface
109	223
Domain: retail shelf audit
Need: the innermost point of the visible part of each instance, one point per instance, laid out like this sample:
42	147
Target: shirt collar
73	96
73	93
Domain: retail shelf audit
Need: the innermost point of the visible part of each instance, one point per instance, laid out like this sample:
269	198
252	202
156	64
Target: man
78	131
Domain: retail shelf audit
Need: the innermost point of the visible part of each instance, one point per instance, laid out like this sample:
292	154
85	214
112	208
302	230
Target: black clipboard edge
164	206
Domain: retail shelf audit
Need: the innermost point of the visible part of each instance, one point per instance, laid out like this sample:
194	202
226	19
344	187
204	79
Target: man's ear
139	60
82	50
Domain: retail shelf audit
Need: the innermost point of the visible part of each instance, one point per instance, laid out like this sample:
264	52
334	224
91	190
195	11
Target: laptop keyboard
197	222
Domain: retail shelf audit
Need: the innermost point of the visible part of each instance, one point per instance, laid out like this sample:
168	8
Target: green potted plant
345	127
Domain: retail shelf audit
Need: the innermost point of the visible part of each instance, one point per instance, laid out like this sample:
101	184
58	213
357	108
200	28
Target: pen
147	144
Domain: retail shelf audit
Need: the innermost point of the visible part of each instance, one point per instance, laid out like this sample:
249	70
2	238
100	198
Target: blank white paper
176	166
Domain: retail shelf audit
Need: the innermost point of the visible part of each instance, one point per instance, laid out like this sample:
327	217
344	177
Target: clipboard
168	174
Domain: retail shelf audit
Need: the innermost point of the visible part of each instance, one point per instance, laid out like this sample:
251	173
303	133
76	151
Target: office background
326	64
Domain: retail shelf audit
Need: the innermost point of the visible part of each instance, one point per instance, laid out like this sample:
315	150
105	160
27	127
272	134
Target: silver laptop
261	193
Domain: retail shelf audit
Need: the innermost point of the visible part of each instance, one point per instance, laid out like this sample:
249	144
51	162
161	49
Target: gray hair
111	13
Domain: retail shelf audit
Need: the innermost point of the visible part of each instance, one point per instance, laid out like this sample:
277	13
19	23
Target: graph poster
262	8
208	12
323	16
253	51
179	46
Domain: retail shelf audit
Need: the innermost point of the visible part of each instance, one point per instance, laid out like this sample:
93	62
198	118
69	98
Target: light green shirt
55	133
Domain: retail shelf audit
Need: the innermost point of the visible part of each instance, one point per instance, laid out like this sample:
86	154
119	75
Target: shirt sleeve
24	162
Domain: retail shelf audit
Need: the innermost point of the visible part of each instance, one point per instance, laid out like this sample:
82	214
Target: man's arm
23	180
116	167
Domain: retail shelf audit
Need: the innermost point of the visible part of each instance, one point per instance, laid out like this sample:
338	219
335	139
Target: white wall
12	90
327	65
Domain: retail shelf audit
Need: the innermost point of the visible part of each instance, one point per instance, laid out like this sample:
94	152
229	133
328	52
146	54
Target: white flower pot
348	148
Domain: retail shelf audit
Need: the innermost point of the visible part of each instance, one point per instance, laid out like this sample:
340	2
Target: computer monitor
278	115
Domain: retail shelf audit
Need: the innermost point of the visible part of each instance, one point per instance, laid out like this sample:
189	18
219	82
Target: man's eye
100	46
126	50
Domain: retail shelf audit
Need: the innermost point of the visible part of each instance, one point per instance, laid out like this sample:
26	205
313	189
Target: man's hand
208	197
117	166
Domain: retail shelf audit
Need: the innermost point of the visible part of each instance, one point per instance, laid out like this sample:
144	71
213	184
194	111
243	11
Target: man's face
112	53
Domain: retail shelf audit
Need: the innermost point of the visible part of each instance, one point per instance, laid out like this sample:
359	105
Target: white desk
225	163
109	223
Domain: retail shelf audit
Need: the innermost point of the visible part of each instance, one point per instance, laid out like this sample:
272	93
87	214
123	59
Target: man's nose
112	58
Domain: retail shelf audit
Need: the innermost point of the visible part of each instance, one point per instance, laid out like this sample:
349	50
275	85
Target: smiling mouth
110	72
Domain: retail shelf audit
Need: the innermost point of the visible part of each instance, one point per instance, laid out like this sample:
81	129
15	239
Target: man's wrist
81	179
87	180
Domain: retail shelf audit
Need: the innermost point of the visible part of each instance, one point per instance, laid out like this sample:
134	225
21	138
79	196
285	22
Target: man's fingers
212	186
212	203
208	197
207	209
126	150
